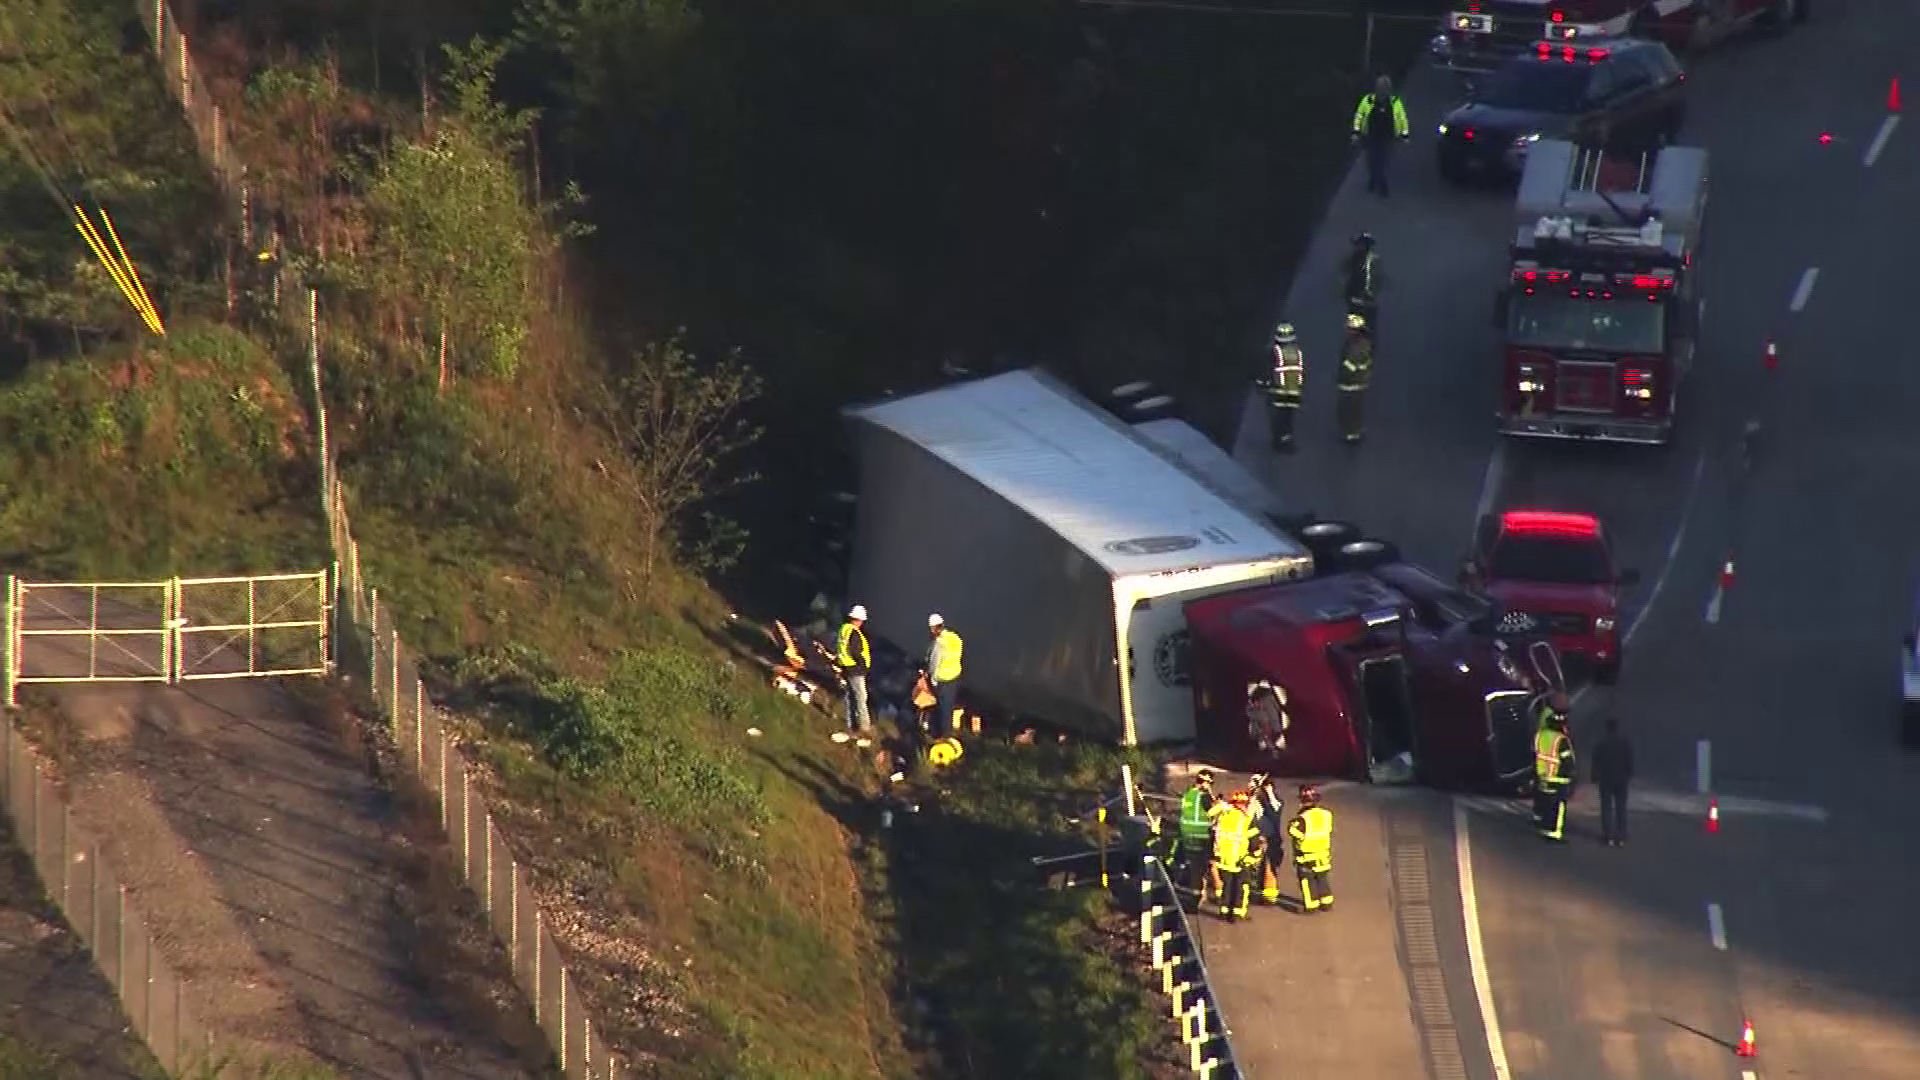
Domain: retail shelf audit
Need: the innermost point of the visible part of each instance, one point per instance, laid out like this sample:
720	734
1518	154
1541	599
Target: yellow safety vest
944	667
1549	748
1233	833
1312	832
854	653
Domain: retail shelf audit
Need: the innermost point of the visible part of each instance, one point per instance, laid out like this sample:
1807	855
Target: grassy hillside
851	199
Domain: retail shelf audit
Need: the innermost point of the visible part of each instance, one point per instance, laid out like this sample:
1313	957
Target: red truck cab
1387	674
1552	574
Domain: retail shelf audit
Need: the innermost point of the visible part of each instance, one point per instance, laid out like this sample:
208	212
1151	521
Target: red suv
1553	574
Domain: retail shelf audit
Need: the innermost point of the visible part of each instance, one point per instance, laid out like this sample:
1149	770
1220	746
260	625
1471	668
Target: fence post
466	826
539	947
393	663
373	641
486	900
7	654
419	729
563	1018
445	806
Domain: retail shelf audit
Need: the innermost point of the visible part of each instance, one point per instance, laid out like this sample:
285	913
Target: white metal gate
167	631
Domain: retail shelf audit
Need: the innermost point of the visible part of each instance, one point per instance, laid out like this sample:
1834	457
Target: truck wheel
1324	539
1366	554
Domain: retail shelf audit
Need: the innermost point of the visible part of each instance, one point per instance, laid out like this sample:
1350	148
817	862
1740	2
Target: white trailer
1057	541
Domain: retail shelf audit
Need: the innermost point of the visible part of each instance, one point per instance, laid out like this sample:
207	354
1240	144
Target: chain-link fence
90	895
364	628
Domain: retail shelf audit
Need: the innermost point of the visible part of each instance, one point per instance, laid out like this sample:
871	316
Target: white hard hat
858	611
935	620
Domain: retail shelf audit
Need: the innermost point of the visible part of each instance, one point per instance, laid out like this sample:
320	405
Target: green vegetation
542	465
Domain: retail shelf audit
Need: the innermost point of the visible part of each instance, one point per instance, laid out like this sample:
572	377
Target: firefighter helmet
1240	799
1356	321
1283	334
1309	795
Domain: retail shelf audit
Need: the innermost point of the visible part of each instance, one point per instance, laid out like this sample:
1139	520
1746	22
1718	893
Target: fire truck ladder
1594	171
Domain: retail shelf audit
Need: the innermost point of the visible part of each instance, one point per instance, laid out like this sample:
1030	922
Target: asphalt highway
1800	914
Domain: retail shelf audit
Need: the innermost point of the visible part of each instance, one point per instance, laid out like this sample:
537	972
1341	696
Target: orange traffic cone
1713	816
1746	1047
1893	95
1726	574
1773	357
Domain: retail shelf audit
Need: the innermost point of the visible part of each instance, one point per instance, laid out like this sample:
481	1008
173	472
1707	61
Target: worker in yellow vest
943	675
1312	833
1234	841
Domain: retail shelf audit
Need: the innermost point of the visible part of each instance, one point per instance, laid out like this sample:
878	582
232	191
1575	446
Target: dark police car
1612	92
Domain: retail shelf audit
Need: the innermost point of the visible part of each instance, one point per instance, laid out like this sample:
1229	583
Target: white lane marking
1804	291
1749	1075
1673	549
1490	484
1880	140
1476	950
1713	605
1703	766
1717	927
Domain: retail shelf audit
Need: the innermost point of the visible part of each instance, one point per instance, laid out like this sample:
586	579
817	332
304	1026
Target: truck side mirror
1629	577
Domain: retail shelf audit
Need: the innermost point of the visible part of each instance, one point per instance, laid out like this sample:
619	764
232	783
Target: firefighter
1379	122
1312	832
1553	774
1549	705
1284	385
1363	279
1196	831
1234	841
1268	814
1356	371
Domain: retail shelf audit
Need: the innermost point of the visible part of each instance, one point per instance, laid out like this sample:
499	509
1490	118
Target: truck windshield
1551	560
1536	86
1630	325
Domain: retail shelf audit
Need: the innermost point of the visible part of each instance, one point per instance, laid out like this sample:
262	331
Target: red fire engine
1479	34
1601	313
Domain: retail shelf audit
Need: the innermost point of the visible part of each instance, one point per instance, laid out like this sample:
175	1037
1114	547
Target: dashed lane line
1717	927
1703	766
1804	291
1880	139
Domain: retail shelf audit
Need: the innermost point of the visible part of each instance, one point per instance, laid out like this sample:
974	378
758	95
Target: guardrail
1180	962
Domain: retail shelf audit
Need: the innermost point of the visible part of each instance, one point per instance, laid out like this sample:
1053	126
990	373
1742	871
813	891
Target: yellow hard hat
945	752
1356	321
1240	798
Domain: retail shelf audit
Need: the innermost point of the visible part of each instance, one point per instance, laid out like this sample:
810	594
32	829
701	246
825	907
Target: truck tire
1324	539
1366	553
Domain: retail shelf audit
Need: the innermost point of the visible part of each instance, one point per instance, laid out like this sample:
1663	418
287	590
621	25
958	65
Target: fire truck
1600	315
1479	34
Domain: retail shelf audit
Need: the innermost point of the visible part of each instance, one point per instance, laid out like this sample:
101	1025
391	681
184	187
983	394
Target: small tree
678	423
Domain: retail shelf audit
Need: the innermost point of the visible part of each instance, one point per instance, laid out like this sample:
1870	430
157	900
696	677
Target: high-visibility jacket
1289	376
943	657
1312	833
1232	838
1366	123
854	655
1552	758
1196	819
1356	363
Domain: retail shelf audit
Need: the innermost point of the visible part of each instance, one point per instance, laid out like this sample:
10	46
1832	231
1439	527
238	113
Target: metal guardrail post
9	646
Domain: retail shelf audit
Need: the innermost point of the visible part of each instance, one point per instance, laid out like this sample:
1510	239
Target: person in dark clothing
1379	123
1612	773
